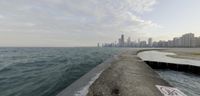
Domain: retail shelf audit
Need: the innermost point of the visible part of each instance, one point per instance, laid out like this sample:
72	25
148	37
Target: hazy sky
86	22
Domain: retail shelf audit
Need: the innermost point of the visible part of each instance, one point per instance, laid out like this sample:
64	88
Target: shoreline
183	53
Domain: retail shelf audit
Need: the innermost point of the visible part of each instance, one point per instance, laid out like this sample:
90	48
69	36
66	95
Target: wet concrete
127	76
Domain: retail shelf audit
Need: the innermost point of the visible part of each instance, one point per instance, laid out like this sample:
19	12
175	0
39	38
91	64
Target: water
46	71
187	83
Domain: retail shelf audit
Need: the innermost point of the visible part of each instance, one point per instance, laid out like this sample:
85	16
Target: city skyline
188	40
71	23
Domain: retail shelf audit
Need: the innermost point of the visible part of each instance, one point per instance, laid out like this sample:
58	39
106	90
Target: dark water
187	83
45	71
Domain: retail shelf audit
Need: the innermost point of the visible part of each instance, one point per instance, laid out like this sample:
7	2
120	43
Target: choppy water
187	83
45	71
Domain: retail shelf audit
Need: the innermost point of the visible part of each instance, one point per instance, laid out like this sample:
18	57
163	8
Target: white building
188	40
197	41
177	42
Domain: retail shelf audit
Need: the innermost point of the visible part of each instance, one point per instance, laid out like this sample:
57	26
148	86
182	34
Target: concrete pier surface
124	75
128	76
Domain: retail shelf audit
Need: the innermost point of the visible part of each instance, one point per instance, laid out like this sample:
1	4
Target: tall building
122	40
169	43
197	42
129	42
177	42
150	42
143	44
188	40
155	44
119	42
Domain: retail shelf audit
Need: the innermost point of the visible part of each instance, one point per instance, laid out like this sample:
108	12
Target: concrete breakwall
173	66
124	75
162	60
80	87
130	76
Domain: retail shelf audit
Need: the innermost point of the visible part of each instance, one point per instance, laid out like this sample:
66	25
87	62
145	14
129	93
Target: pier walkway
126	75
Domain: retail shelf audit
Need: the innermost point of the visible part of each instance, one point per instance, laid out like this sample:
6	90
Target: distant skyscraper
129	41
122	38
150	41
121	41
186	40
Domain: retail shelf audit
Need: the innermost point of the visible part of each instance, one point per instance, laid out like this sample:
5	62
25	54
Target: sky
72	23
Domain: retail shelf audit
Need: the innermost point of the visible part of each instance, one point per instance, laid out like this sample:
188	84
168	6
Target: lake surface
186	82
46	71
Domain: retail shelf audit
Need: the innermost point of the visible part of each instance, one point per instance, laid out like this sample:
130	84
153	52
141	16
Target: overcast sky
66	23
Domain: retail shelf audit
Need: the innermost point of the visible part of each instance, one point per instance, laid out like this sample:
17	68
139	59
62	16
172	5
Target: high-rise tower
122	41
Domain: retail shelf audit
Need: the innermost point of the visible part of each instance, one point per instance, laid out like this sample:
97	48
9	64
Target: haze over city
66	23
